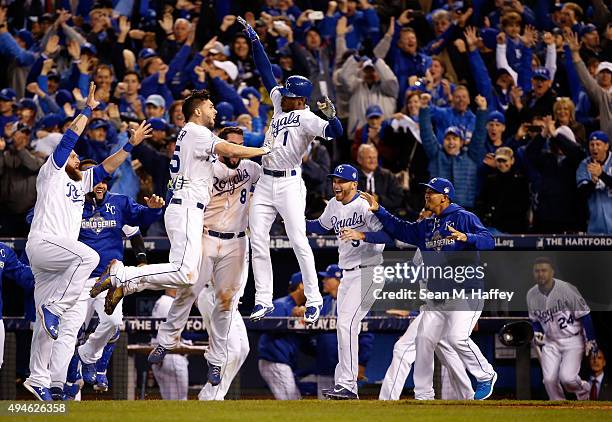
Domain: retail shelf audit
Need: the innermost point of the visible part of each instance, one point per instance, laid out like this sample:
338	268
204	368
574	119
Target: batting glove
327	108
248	29
590	348
539	338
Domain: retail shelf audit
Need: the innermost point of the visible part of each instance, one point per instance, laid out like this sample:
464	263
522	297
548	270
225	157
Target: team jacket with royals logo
102	225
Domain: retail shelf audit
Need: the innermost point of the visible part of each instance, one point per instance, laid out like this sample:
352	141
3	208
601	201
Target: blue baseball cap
374	111
441	185
50	121
295	280
26	36
599	135
158	124
332	270
587	29
346	172
7	94
63	96
249	91
89	48
27	103
496	116
98	123
225	111
454	130
541	73
147	53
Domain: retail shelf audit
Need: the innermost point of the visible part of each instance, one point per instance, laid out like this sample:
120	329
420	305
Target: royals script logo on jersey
232	183
290	120
354	222
75	193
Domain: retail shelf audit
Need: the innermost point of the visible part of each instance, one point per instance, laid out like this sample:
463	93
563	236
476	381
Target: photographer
18	170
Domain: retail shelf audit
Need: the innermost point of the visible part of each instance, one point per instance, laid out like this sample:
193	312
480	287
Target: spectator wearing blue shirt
458	115
365	22
327	343
7	114
278	352
594	179
98	142
450	160
131	103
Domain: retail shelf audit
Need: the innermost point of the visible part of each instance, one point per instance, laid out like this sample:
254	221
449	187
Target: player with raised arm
451	228
360	250
60	263
192	178
281	188
559	316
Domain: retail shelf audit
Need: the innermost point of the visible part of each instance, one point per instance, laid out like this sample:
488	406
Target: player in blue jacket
106	218
12	268
278	352
451	229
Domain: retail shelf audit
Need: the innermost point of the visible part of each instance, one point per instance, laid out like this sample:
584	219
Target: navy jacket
282	347
12	268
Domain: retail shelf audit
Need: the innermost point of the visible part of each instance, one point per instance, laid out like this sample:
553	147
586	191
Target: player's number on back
564	322
243	194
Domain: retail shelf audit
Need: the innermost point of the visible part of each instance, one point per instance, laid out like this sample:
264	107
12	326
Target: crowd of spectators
510	100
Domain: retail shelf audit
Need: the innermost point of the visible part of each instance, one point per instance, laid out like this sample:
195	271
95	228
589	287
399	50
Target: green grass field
324	411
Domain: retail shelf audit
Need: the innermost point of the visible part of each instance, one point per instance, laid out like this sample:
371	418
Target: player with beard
60	263
192	175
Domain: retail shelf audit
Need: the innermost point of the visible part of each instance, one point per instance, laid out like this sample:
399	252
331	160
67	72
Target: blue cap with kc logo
346	172
332	270
441	185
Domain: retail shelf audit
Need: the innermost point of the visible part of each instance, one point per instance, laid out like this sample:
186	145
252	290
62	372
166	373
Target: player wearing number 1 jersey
281	188
191	172
559	315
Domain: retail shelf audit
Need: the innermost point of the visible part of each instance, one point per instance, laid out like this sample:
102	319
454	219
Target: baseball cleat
214	375
260	311
72	389
50	322
312	314
484	389
104	282
57	393
41	393
340	393
88	370
157	355
113	297
101	382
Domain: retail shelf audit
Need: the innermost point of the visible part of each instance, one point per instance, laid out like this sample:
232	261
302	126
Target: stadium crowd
510	100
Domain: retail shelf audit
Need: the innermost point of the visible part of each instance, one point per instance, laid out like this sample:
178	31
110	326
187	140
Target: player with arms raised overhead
281	189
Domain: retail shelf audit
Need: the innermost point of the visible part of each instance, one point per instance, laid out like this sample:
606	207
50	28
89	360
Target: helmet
297	86
516	334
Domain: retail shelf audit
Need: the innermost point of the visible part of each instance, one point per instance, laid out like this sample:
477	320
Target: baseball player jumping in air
281	188
106	218
404	354
559	316
451	228
360	250
191	172
60	263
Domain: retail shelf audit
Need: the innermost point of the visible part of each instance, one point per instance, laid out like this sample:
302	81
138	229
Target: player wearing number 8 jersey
559	315
191	172
281	189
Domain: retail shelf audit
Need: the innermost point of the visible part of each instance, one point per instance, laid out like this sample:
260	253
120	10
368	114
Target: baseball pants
71	322
560	360
287	196
60	266
223	262
280	380
355	298
184	226
172	376
452	322
404	354
237	344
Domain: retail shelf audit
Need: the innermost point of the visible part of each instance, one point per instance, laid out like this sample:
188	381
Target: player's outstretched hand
351	234
91	100
327	107
248	29
155	201
371	200
591	348
457	235
142	132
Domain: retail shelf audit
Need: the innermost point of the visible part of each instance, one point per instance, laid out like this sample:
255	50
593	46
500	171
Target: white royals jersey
228	209
191	170
290	134
59	201
354	215
558	312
